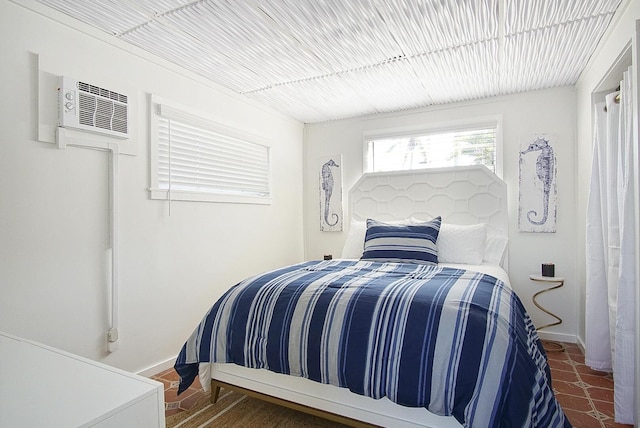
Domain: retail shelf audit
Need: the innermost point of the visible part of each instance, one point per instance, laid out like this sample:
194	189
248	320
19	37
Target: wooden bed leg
215	392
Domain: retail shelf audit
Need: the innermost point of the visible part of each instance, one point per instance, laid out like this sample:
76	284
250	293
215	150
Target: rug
237	410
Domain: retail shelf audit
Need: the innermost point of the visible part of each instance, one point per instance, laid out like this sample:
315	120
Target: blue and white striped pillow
414	243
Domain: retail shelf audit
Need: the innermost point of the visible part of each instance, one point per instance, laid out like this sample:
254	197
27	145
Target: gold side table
554	282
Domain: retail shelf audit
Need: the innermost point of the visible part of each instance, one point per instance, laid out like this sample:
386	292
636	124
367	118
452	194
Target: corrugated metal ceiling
330	59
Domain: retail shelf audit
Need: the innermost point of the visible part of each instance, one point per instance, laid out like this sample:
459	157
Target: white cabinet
44	387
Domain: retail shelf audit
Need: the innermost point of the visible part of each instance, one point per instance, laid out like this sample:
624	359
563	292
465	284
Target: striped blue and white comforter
454	341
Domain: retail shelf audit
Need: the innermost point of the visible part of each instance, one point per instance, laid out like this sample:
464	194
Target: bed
415	325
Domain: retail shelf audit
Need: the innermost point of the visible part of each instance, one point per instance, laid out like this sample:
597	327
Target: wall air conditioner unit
90	108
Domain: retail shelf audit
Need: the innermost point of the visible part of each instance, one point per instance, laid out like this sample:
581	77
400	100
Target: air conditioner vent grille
119	121
96	90
92	108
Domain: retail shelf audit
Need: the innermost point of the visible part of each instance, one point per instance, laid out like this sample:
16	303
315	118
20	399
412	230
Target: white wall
549	111
54	204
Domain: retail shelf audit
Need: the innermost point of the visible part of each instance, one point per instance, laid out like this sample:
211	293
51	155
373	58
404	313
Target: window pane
435	150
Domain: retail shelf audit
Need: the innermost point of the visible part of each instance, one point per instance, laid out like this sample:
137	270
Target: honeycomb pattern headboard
461	195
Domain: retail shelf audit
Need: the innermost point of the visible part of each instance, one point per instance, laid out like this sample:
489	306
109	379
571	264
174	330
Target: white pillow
354	245
495	248
492	252
462	243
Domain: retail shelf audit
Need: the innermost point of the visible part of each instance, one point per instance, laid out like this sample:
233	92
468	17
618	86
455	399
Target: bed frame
461	195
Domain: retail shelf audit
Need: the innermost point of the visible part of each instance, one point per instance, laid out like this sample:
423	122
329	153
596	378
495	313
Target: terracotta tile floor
172	403
585	395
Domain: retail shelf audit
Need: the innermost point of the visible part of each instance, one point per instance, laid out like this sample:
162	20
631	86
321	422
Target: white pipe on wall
112	335
67	138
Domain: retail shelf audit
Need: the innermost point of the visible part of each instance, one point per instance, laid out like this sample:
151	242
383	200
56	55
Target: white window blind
198	159
445	148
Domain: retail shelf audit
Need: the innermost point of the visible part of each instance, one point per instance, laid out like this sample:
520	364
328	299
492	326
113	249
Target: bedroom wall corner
523	115
54	237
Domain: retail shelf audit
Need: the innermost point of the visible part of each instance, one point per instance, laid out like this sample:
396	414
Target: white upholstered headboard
461	195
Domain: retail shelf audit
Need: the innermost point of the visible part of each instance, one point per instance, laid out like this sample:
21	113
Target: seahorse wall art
537	210
330	195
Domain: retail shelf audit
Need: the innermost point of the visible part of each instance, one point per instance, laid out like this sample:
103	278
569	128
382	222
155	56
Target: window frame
194	118
437	128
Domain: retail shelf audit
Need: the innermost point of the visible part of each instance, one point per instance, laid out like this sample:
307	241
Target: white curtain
611	272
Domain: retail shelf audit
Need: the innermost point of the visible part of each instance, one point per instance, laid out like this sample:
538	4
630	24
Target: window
197	159
473	145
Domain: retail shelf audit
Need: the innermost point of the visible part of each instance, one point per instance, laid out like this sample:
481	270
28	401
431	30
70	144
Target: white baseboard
157	368
558	337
